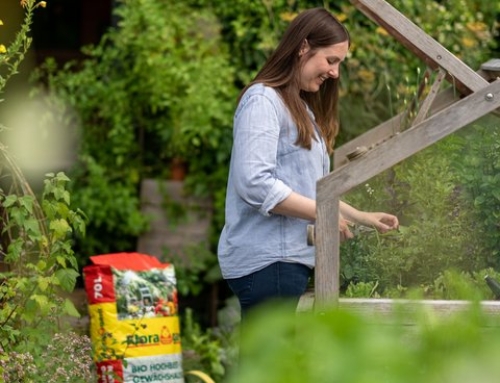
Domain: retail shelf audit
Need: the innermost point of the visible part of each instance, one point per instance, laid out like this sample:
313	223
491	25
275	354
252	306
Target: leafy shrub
477	163
339	346
205	350
157	87
40	266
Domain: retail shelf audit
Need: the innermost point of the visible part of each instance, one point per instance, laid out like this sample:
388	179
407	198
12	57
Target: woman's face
323	64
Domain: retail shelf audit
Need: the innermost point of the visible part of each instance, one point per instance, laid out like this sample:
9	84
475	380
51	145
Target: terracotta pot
178	169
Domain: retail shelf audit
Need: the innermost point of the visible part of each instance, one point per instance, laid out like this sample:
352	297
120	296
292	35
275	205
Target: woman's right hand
345	232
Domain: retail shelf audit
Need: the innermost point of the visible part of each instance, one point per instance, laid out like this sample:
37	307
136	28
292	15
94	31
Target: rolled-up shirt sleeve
256	134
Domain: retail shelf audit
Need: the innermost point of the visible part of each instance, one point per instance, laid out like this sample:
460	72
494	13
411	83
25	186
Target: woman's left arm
383	222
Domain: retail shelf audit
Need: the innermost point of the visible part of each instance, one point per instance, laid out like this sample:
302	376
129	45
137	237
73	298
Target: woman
284	129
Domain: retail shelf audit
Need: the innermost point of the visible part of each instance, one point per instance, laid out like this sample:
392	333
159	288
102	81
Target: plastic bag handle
201	375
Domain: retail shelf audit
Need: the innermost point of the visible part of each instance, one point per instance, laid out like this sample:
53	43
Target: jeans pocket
241	286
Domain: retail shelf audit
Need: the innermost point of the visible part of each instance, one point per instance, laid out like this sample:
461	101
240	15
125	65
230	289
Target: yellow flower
366	75
3	49
341	17
42	4
287	16
477	26
381	31
468	42
1	22
480	30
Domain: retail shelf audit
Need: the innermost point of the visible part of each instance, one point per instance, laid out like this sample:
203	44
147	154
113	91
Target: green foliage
195	268
66	359
157	87
184	51
436	219
362	290
203	350
437	234
354	266
338	346
251	30
452	284
38	261
381	77
446	198
41	263
477	163
12	55
112	208
40	266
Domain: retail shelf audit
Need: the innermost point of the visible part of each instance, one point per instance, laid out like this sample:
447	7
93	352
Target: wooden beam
389	128
327	267
368	139
414	106
386	308
432	53
383	309
409	142
491	69
429	100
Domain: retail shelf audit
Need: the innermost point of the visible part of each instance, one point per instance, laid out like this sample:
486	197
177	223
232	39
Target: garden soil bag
134	326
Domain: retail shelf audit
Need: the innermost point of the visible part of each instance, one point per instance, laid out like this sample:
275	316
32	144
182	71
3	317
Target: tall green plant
13	54
37	262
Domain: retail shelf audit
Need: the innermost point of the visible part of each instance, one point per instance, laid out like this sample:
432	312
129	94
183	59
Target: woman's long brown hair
281	71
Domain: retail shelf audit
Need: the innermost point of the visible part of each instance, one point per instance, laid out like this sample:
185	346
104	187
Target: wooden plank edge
402	311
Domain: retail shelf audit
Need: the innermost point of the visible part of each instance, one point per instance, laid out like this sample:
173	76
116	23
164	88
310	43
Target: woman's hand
383	222
345	232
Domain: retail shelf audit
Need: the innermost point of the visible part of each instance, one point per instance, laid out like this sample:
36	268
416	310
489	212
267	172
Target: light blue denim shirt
266	166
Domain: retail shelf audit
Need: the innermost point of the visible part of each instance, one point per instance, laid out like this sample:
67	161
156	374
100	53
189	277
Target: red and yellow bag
134	326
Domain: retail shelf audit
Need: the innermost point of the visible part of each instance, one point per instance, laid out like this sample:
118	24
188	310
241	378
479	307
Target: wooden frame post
327	238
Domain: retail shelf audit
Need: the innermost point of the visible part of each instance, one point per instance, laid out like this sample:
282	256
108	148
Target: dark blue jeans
282	280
